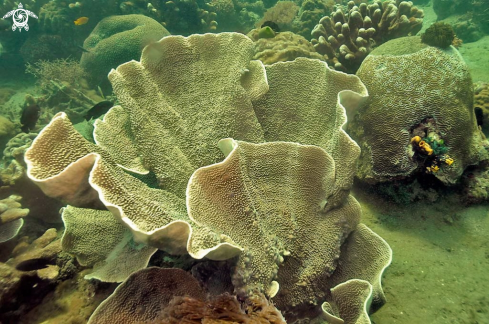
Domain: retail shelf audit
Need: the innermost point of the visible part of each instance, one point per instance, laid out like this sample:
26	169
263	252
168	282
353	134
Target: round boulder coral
118	39
416	90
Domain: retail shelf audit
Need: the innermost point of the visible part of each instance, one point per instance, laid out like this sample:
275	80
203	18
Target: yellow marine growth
434	167
415	140
425	147
447	159
433	152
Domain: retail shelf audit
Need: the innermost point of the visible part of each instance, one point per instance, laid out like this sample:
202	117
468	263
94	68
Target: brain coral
277	198
118	39
414	90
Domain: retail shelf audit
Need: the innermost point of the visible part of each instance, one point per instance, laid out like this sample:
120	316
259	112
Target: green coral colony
200	161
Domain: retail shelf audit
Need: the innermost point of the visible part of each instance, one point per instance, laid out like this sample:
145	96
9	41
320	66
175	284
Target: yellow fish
81	21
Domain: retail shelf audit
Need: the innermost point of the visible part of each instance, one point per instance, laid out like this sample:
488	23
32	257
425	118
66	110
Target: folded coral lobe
272	199
59	162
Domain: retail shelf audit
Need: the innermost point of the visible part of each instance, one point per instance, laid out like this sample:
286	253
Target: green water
55	57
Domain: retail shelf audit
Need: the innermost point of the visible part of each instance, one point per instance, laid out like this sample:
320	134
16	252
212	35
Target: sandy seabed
440	268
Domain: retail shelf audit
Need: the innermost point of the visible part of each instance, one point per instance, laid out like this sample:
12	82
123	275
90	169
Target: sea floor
439	272
475	54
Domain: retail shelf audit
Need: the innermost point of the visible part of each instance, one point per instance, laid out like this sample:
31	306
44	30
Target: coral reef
481	103
72	300
41	282
350	295
345	39
7	130
13	180
56	18
101	248
118	39
481	14
445	8
13	166
60	70
174	296
185	17
64	88
62	96
285	46
5	94
422	91
150	290
470	19
282	13
310	12
465	28
282	209
476	184
439	34
11	217
225	10
36	279
47	47
222	309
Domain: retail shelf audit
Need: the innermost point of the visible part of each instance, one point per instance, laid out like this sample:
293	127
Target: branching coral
345	39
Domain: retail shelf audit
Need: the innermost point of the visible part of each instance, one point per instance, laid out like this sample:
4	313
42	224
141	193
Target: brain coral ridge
279	200
118	39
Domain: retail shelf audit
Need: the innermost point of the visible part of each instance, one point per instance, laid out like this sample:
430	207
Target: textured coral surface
346	38
408	83
254	202
118	39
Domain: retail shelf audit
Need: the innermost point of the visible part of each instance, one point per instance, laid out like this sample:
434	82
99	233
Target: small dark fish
479	115
98	110
272	25
29	117
33	264
83	49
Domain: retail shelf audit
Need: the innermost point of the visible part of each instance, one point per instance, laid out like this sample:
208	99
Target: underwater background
229	161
